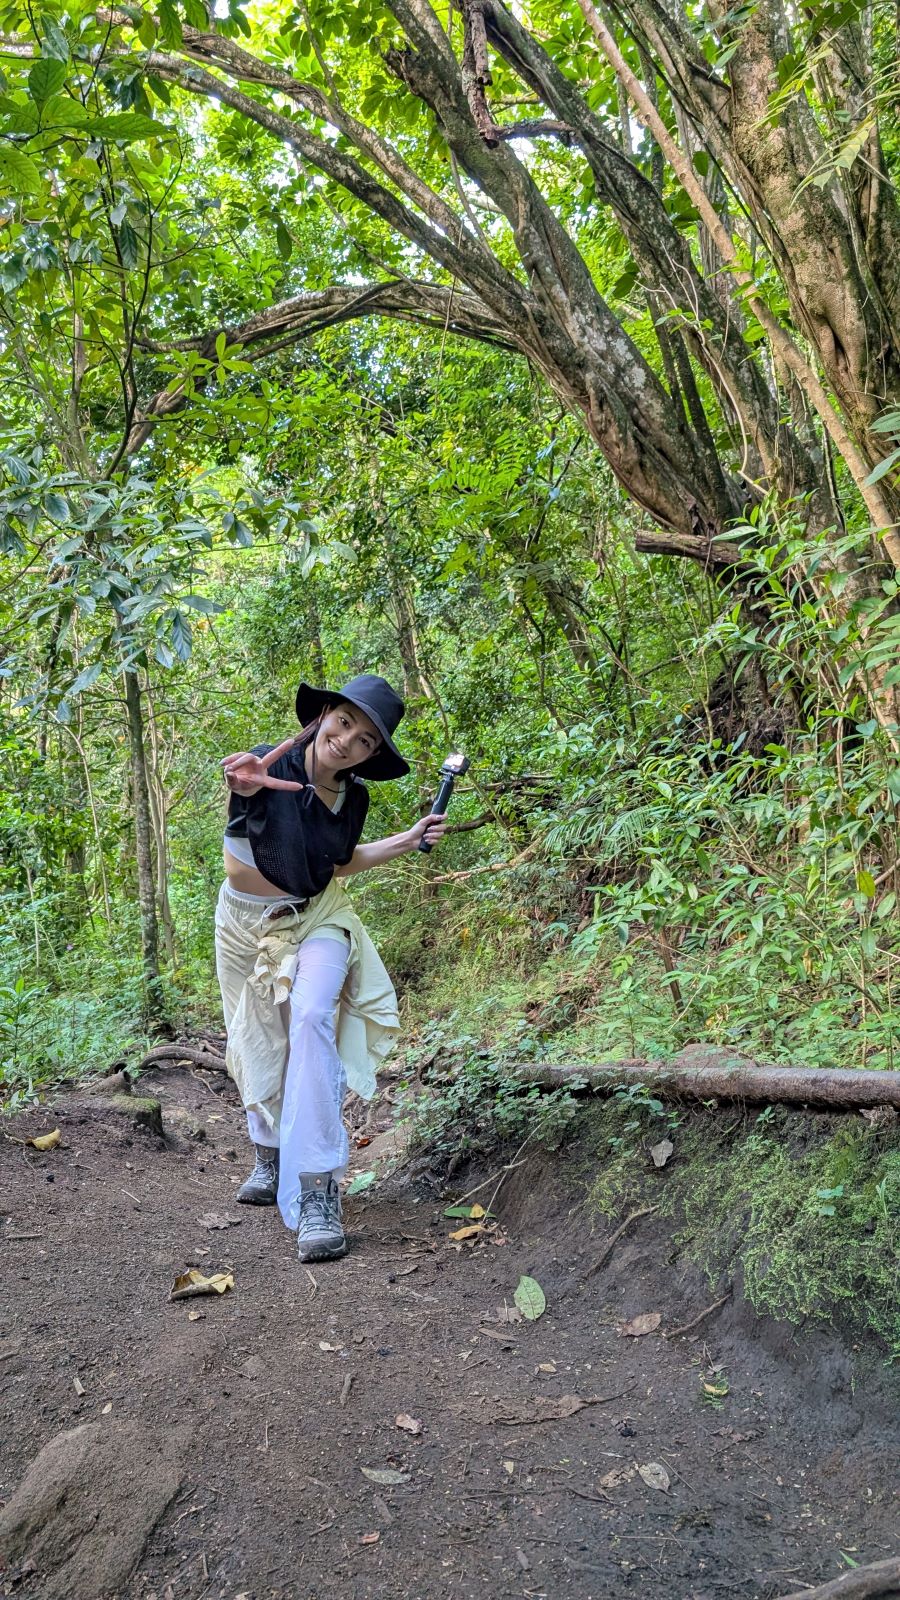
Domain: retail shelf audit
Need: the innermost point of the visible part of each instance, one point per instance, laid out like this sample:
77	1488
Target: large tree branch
435	305
230	57
454	248
304	315
560	322
588	356
662	255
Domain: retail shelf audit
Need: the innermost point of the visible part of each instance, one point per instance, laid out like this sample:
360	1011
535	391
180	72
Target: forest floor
234	1447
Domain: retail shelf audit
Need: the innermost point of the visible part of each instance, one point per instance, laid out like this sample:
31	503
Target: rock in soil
79	1521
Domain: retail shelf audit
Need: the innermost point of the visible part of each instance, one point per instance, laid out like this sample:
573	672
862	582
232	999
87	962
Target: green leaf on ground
360	1182
530	1299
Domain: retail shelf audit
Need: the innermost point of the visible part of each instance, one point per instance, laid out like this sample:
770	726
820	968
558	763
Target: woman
308	1004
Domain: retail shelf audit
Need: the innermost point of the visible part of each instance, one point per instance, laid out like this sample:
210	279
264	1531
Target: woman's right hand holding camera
246	773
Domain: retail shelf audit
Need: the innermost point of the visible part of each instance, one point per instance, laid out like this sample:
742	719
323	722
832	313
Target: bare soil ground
228	1455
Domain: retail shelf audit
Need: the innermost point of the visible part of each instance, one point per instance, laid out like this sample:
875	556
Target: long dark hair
306	739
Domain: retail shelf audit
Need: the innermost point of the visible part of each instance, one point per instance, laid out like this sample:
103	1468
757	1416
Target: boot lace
316	1205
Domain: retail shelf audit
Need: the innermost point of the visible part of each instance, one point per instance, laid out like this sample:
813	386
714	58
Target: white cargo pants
307	1125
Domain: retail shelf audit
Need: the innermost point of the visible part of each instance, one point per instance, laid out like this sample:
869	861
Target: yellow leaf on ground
469	1232
476	1212
193	1282
46	1141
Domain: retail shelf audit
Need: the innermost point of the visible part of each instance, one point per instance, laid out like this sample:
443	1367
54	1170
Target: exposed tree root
645	1211
880	1581
675	1333
171	1054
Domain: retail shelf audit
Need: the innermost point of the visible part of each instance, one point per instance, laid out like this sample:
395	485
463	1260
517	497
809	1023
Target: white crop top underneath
241	848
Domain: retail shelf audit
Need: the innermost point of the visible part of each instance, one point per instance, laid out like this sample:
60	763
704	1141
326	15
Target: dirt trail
269	1406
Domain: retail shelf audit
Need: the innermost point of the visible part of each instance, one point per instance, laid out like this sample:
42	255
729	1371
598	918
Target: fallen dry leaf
79	1387
509	1467
369	1538
408	1424
383	1509
638	1326
387	1475
660	1153
213	1219
106	1409
196	1316
46	1141
193	1282
542	1408
469	1232
495	1333
324	1345
545	1366
615	1477
507	1313
655	1476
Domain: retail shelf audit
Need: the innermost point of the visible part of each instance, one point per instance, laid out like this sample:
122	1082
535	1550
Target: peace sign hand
246	773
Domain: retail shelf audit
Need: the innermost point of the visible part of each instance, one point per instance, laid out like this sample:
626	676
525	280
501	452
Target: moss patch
806	1208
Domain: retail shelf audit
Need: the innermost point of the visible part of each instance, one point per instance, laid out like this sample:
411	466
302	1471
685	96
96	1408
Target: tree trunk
700	1073
143	838
159	819
415	686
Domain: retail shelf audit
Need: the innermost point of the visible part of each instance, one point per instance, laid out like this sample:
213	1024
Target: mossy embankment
801	1208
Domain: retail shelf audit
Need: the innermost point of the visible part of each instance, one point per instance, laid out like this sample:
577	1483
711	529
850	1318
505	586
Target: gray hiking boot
320	1236
261	1188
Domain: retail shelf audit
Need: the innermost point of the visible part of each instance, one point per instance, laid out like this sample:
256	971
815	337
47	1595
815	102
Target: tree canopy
547	358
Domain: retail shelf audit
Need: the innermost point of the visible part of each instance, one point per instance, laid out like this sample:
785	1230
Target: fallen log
705	1073
175	1052
880	1581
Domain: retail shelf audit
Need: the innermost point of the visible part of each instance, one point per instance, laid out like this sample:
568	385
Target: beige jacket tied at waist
257	960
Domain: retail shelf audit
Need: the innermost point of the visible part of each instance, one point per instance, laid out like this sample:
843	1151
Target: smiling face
346	738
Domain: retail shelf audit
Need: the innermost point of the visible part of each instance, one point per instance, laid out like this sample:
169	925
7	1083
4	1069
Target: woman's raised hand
246	773
431	828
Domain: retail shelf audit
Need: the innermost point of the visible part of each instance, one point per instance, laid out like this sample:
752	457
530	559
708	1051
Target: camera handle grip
439	804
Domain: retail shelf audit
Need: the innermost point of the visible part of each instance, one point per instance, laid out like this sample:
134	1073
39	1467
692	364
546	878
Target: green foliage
64	1011
468	1100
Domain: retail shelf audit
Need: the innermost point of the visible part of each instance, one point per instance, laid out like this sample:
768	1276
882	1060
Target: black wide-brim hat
381	704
